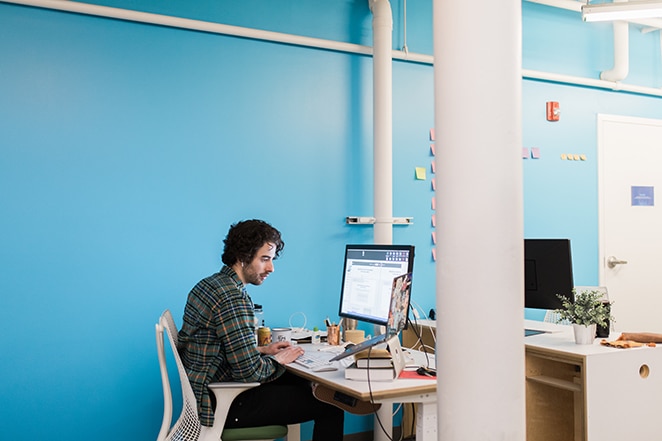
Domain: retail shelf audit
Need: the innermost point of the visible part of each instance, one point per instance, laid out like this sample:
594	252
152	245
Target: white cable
294	328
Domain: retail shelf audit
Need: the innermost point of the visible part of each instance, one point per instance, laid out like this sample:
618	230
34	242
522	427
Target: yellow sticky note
420	173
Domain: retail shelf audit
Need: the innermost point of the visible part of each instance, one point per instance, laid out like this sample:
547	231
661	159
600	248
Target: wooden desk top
423	389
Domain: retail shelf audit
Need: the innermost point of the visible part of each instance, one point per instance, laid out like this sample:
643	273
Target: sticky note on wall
420	173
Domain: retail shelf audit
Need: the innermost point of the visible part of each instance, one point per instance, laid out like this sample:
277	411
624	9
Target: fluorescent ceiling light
622	10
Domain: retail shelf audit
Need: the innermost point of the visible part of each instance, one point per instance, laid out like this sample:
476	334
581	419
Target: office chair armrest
225	394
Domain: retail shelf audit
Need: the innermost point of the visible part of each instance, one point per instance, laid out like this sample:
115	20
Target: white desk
587	392
421	391
591	392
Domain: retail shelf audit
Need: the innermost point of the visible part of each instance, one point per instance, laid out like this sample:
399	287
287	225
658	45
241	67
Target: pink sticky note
434	254
535	152
525	153
434	183
432	151
432	134
434	220
434	203
433	167
434	237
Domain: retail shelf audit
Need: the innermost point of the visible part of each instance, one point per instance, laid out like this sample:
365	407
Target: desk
587	392
422	391
591	392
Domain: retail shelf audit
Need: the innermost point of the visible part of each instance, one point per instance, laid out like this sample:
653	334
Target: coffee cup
281	334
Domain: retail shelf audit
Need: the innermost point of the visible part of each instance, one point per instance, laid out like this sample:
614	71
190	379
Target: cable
416	316
299	329
372	400
419	341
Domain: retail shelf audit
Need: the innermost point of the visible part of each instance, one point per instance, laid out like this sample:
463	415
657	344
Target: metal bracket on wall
366	220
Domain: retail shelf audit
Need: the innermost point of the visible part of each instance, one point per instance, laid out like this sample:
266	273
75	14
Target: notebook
397	317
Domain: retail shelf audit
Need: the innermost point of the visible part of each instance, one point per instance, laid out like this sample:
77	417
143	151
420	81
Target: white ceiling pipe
196	25
621	40
213	28
382	28
276	37
621	53
589	82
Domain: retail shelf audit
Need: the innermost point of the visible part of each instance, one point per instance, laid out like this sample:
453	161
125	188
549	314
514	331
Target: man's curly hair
245	238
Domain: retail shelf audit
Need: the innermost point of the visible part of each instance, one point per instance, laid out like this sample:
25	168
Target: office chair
188	426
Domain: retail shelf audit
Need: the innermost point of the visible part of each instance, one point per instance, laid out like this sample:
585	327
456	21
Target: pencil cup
333	335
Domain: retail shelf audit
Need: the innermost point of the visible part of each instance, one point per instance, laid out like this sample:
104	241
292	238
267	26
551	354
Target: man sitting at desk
217	343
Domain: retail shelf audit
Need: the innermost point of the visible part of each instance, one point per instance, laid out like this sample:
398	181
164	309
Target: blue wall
127	150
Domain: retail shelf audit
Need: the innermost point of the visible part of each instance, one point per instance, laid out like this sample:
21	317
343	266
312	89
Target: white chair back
188	424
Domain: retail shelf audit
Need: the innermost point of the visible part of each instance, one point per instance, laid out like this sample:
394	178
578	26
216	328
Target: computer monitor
367	280
547	272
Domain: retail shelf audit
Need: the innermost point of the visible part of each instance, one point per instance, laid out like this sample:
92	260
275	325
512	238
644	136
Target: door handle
613	261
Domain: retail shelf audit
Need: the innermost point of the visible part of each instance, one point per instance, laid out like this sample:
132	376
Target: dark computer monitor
367	280
547	272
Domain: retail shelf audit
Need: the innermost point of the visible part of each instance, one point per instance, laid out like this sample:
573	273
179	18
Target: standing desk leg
384	416
426	422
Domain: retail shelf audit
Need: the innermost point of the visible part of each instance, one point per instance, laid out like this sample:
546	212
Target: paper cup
281	334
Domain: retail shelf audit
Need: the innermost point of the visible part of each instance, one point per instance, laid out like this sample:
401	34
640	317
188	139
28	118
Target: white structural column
382	30
480	288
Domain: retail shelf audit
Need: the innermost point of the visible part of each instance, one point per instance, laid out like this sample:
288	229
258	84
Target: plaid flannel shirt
217	339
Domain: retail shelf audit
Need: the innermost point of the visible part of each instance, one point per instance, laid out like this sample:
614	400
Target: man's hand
282	351
288	353
273	348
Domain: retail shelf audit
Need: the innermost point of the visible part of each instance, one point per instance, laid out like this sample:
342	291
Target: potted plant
588	311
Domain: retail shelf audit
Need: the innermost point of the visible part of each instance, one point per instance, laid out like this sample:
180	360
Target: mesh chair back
187	427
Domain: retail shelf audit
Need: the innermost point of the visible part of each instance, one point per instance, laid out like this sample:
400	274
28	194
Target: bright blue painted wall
127	150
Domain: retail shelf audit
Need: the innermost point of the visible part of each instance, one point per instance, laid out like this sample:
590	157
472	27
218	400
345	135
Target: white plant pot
584	335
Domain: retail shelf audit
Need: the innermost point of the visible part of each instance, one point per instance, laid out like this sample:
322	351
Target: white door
629	172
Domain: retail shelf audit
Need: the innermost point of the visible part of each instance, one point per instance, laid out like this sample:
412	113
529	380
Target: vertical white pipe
480	257
621	53
382	27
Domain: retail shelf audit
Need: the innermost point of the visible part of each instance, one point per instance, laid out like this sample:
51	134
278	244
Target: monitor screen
547	272
367	280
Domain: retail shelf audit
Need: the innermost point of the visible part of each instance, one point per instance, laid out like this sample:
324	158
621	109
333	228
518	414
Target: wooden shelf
556	382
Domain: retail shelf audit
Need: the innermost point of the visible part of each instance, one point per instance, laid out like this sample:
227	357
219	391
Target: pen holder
333	335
